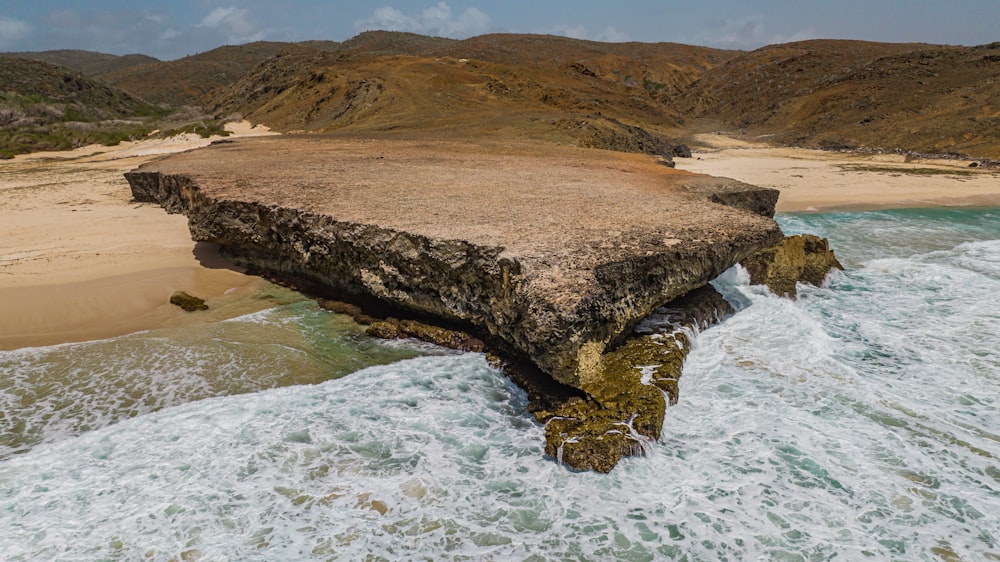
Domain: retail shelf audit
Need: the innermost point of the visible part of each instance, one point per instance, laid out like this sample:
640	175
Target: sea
858	422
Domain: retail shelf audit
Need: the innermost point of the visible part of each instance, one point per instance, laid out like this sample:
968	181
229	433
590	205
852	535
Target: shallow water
859	422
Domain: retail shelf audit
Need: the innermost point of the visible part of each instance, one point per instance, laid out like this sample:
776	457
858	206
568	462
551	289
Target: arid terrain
633	97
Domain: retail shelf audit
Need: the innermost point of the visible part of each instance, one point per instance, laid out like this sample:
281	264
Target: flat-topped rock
555	251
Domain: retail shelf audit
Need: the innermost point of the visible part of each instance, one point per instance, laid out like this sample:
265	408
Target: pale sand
821	180
79	260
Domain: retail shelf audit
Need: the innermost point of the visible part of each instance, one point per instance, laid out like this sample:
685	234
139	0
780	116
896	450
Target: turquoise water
858	422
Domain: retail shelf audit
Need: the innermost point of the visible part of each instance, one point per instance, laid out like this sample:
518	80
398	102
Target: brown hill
320	45
626	96
191	80
605	95
88	63
393	43
925	98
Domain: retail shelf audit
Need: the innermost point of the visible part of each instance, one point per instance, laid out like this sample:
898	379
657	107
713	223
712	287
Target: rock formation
187	302
804	257
549	253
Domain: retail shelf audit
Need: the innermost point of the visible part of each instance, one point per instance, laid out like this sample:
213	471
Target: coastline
813	180
79	260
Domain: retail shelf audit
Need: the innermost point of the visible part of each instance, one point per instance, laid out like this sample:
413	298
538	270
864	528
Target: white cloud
169	33
155	17
434	20
609	35
219	15
740	33
612	35
801	35
233	23
12	30
750	32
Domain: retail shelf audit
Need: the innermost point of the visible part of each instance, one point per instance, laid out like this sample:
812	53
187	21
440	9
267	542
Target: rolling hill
622	96
927	98
616	96
193	79
88	63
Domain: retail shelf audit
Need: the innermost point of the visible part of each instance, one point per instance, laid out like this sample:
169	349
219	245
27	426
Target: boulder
800	258
188	302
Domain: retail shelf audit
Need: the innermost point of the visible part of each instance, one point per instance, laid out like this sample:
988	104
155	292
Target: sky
173	29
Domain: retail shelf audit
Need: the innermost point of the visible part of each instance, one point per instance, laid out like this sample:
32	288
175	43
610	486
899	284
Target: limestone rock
553	254
733	193
806	258
623	414
391	328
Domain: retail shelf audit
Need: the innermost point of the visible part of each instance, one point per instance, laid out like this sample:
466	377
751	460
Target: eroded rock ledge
553	253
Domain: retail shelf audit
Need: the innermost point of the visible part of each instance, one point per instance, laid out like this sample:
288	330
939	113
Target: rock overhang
555	251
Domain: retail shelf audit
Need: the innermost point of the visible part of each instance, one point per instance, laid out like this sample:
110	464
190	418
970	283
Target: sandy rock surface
555	250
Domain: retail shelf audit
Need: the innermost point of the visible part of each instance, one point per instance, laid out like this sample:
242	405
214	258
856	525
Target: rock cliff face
553	257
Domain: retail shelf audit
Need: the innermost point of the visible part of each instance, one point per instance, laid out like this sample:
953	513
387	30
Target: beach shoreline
80	260
812	180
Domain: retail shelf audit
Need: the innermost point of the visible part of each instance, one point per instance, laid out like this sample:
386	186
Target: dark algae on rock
805	257
187	302
623	414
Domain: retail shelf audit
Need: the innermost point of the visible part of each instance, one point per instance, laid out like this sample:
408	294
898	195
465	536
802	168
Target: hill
821	93
192	79
926	98
623	96
48	107
615	96
88	63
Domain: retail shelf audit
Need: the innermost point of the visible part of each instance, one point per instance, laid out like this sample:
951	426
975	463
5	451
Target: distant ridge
193	79
88	63
832	94
625	96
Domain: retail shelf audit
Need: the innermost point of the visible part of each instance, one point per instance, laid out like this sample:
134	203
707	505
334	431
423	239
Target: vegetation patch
45	107
203	128
904	170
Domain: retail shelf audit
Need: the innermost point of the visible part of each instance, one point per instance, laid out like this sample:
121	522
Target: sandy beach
80	260
817	180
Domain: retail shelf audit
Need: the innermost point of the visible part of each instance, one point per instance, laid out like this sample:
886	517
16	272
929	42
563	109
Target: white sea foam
858	422
52	393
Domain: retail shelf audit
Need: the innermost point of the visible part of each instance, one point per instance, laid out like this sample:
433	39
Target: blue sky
173	29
